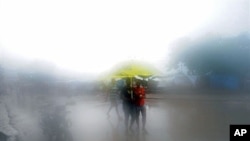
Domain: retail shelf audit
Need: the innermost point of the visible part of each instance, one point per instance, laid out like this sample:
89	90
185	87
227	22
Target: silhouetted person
113	94
139	101
127	104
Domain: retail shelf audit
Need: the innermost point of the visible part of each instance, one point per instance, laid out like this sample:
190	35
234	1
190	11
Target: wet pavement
181	118
170	117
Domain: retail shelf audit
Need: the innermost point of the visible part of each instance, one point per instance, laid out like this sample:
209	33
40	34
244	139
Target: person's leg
144	119
110	107
126	114
133	115
137	115
117	111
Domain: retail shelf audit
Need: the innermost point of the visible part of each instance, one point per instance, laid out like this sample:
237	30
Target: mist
36	97
55	54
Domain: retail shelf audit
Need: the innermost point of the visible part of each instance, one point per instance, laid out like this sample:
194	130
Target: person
127	104
112	94
139	101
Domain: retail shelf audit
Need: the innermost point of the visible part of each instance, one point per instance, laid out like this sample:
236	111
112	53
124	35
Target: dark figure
113	94
127	103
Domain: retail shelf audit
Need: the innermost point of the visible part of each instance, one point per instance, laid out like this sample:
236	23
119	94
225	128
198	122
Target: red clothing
139	93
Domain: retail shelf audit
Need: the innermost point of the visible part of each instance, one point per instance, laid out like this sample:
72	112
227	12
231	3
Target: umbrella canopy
131	69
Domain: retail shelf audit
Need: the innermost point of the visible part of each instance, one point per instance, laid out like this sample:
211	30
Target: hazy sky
93	35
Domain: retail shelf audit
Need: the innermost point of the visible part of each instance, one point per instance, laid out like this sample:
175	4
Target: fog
57	57
70	35
35	102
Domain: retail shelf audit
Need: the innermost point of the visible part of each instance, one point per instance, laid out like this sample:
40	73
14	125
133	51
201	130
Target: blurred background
54	56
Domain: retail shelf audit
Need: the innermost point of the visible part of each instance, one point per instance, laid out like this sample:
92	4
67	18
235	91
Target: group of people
133	103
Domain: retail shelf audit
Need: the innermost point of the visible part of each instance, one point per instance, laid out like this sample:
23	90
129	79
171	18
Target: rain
65	67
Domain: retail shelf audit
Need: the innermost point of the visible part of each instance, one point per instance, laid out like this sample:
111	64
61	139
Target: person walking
127	104
113	94
140	108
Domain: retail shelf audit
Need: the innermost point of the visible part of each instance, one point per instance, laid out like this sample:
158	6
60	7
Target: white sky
93	35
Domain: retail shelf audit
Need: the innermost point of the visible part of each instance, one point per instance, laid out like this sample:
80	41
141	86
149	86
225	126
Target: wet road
174	119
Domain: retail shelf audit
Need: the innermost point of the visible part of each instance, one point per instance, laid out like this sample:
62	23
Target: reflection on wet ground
179	118
172	120
206	120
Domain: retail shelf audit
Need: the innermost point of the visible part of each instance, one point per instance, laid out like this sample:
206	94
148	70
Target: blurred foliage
227	55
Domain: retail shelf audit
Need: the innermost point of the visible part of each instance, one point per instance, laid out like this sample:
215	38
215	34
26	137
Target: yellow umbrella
131	69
